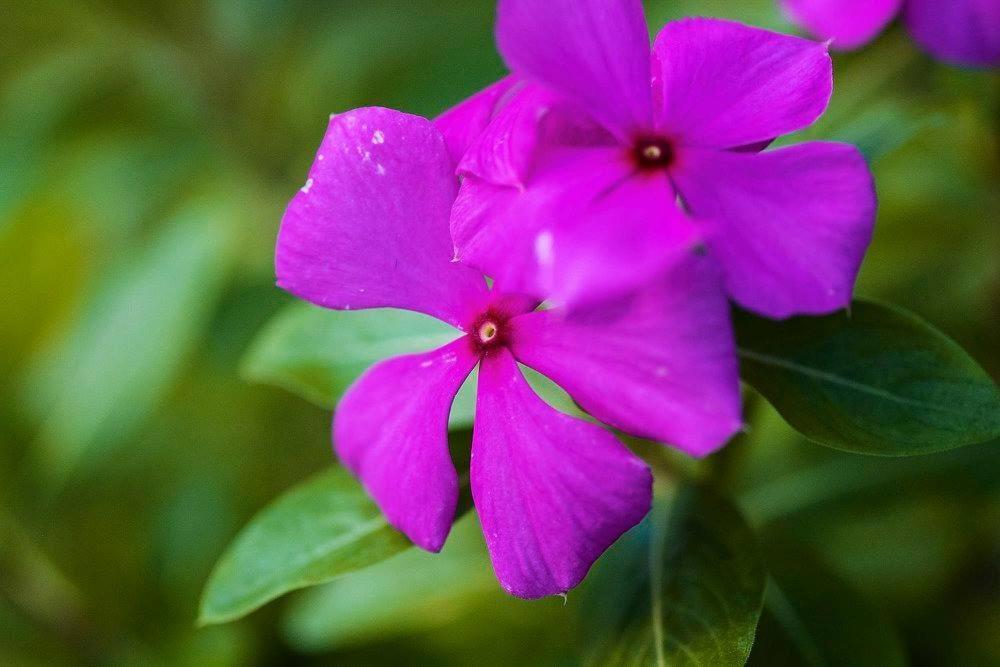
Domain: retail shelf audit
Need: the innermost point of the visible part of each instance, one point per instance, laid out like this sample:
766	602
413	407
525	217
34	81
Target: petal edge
391	431
553	492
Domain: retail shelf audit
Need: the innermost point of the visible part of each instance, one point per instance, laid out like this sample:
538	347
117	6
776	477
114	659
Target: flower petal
462	124
552	492
848	23
658	364
789	226
595	52
586	228
964	32
724	84
533	118
391	430
370	227
503	152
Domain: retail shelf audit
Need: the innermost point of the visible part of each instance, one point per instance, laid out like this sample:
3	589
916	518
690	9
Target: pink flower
963	32
602	165
370	230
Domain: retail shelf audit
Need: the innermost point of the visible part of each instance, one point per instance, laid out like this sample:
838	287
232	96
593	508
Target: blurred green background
146	153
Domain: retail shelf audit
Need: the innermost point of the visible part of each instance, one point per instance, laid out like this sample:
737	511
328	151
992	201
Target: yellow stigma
487	332
652	153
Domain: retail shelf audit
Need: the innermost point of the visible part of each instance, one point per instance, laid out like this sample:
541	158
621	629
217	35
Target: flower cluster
964	32
616	198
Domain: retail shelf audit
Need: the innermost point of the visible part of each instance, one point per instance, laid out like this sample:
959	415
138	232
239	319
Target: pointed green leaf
317	353
685	587
93	386
413	592
876	381
816	619
323	528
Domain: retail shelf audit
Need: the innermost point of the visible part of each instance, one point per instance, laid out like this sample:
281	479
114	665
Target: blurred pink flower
599	165
963	32
370	230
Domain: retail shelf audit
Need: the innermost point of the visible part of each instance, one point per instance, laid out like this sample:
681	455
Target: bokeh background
146	153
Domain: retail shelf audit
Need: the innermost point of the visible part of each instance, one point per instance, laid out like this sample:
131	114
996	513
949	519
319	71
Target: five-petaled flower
552	491
963	32
599	165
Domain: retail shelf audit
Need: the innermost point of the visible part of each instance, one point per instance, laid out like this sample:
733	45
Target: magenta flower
963	32
602	165
370	230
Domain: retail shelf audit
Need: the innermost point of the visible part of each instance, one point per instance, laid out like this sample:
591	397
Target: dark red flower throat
652	152
490	331
493	328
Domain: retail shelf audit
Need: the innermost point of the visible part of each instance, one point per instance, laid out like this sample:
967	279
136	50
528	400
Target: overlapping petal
659	364
588	227
723	84
391	430
504	151
789	226
964	32
533	119
595	52
370	227
849	23
462	124
552	492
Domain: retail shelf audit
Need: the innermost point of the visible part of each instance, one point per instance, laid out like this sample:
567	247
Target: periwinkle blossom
962	32
552	491
602	163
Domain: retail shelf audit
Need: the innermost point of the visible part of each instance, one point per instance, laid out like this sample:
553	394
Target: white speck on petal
426	364
380	170
543	248
378	137
320	157
307	186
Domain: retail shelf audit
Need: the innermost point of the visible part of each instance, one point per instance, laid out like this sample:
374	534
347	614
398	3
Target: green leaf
325	527
875	381
412	592
683	588
814	618
317	353
885	126
93	386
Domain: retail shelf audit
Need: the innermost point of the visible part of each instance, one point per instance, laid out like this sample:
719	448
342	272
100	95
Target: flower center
487	332
653	153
